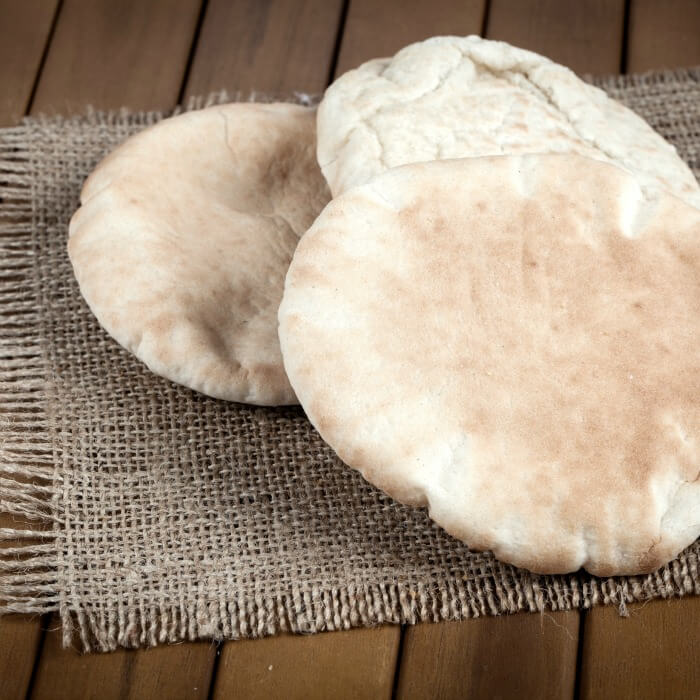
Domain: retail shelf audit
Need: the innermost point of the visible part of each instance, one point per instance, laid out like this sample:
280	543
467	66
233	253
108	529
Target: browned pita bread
512	342
184	237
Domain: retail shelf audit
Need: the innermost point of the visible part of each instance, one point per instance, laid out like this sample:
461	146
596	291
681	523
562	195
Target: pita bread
512	342
453	97
184	237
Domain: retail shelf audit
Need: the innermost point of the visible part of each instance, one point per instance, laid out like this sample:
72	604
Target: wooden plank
283	47
466	658
654	652
376	29
19	642
113	54
24	31
585	35
353	664
20	635
523	655
651	654
663	34
176	671
276	47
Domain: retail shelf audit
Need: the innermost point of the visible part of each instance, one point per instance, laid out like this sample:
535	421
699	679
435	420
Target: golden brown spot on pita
162	324
267	374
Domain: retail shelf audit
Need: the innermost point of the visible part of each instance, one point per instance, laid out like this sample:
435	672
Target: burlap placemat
173	516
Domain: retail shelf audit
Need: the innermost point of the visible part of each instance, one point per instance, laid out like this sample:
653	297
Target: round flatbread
456	97
184	237
513	342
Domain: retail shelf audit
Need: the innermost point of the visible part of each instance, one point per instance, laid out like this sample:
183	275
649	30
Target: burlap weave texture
174	516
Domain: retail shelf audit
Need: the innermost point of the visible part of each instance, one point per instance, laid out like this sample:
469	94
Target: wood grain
19	642
651	654
458	659
585	35
282	47
111	54
20	635
663	34
278	46
376	29
114	54
654	652
175	671
354	664
24	30
523	656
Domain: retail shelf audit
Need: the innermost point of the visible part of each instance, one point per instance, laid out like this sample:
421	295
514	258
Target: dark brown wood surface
375	29
61	56
25	28
463	655
19	643
468	659
290	49
653	653
278	47
586	36
354	664
663	34
24	33
110	54
169	671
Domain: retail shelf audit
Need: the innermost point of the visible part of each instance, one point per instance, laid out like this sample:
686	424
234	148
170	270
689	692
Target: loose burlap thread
164	515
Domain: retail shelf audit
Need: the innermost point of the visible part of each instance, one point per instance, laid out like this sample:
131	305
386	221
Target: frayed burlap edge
321	610
28	478
30	481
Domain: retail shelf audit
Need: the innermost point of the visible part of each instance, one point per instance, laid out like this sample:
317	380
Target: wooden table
60	56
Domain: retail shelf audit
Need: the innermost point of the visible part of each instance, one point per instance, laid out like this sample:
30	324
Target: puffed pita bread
183	240
512	342
454	97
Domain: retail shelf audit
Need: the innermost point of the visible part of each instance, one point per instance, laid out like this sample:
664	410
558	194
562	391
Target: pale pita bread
454	97
183	240
513	342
